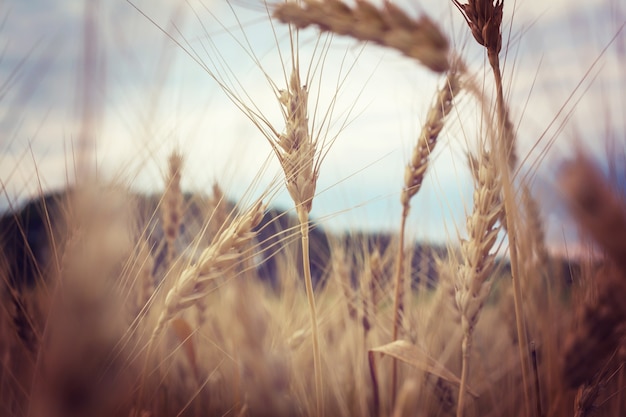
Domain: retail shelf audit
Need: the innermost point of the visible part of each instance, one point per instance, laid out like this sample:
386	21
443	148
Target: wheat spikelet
389	26
172	208
195	281
472	287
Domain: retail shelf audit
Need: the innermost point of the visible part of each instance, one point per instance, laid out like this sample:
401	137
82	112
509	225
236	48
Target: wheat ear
472	287
195	281
413	178
296	152
389	26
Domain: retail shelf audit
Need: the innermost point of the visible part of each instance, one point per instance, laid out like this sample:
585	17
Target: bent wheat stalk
413	178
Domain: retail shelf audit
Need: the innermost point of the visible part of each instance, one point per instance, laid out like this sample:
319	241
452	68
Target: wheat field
176	303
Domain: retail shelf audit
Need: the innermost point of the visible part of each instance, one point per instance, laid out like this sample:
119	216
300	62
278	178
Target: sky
118	85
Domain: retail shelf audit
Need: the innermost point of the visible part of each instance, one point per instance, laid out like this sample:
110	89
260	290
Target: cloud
154	97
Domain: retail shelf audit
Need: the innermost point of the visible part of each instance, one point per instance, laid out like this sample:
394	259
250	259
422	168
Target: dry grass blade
194	283
389	26
418	358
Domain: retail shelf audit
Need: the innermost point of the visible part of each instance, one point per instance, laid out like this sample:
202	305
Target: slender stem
506	149
303	217
465	347
397	303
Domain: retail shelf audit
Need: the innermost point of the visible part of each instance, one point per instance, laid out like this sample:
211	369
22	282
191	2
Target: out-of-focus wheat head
172	206
600	214
389	26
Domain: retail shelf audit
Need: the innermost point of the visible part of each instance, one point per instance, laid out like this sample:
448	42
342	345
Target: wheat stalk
195	281
484	18
414	176
146	284
389	26
296	152
472	287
